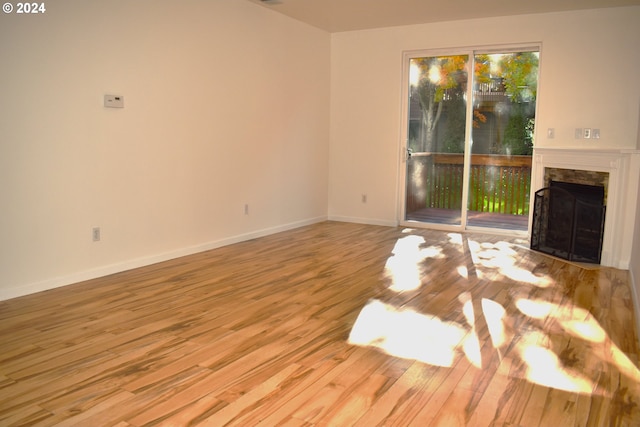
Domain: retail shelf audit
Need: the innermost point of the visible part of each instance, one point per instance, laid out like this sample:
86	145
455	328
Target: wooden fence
499	184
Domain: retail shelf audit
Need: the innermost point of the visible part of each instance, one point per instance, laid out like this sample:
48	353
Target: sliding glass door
468	164
436	138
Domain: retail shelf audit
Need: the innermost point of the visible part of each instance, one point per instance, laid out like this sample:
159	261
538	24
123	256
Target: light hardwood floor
332	324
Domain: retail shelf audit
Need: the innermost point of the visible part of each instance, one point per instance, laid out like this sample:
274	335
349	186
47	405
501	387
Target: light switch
114	101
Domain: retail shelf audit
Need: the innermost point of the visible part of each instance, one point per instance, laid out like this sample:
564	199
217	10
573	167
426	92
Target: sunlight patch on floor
544	368
403	266
463	271
502	257
624	364
575	320
455	239
407	334
494	314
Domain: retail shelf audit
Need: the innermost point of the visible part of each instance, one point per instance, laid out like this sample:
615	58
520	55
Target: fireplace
617	170
568	221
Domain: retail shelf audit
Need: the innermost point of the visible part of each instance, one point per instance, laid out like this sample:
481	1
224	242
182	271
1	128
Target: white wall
226	104
635	263
229	103
587	79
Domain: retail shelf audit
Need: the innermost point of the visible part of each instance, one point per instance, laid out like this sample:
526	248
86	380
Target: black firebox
568	221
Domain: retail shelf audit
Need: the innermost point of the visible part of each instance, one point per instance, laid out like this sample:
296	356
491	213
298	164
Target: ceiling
348	15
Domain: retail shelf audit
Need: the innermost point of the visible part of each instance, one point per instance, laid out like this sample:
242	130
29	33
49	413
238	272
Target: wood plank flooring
332	324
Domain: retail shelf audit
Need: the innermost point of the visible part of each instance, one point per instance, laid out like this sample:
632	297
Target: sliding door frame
470	51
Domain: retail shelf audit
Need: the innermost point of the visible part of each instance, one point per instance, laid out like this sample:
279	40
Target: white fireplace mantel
623	166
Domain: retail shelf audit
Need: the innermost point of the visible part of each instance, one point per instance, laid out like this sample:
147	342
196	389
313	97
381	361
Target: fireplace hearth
568	221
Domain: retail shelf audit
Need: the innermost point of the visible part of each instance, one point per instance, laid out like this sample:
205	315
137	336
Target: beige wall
226	104
587	79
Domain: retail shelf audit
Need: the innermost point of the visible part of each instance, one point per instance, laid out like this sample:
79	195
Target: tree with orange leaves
443	80
441	87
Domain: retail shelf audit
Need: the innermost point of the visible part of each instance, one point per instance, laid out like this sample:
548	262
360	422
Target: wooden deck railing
499	184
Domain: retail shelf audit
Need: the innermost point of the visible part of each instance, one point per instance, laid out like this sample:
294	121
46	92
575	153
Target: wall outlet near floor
364	198
95	234
246	209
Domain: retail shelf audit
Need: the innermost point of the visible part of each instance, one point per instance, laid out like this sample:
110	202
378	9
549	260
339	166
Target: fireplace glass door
568	221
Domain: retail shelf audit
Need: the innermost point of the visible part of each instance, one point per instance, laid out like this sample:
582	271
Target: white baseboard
368	221
106	270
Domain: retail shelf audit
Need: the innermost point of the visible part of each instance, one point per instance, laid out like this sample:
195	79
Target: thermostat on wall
114	101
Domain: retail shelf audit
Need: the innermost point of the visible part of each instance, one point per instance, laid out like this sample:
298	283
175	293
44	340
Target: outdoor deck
475	219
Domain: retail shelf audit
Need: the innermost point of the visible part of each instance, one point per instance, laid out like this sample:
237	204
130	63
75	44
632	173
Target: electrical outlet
595	133
364	198
95	234
246	209
114	101
578	134
587	133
